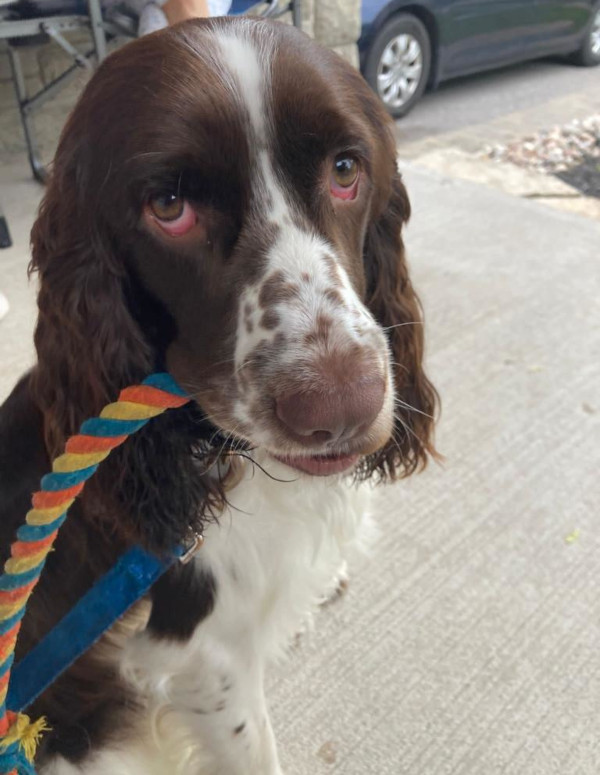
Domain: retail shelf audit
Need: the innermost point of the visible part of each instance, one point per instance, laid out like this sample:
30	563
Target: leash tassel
19	744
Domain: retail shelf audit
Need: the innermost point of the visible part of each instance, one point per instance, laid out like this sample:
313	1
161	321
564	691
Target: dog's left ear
396	307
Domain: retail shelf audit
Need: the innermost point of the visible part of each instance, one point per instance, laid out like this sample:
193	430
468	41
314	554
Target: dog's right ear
88	344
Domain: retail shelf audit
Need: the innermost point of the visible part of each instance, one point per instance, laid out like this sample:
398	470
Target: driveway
499	106
453	128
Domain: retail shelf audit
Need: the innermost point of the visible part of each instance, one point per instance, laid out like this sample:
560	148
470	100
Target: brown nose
333	412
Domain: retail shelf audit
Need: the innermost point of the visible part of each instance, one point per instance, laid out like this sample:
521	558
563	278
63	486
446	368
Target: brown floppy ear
88	344
395	305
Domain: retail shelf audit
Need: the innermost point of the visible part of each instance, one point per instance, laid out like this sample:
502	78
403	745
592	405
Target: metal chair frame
52	28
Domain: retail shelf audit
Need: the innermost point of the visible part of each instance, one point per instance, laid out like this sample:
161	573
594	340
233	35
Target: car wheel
589	53
398	63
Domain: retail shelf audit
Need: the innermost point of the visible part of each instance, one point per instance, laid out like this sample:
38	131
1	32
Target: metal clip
197	541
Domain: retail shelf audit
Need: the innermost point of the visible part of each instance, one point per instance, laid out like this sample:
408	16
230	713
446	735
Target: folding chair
27	22
274	9
20	27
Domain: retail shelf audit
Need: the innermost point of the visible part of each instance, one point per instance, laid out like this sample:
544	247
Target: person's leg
157	15
164	13
180	10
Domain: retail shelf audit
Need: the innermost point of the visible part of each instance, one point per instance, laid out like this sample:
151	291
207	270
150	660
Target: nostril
322	437
307	414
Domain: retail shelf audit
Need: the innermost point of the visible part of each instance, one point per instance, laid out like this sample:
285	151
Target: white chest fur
276	553
278	550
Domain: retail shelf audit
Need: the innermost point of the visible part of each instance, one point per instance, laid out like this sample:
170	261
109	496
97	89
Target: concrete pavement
467	644
499	106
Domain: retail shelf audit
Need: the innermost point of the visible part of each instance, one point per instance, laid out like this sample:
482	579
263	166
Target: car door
483	33
562	21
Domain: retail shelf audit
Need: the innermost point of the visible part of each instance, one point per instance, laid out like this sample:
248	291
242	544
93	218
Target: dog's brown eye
345	175
167	206
345	170
172	213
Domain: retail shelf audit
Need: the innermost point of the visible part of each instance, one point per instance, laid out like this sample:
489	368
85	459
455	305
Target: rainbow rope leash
96	439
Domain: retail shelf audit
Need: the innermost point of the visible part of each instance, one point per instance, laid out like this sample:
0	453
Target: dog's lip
319	465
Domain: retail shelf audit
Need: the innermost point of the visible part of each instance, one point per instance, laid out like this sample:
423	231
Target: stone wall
334	23
337	25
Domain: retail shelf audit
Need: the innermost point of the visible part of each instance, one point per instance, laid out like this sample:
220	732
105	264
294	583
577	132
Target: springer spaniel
224	205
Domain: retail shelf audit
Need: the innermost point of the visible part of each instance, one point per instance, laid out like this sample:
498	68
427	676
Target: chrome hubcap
595	35
400	70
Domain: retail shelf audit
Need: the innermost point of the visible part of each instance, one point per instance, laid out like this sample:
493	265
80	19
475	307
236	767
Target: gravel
571	152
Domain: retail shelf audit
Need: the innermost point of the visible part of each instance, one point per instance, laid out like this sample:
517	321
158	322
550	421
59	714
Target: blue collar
112	595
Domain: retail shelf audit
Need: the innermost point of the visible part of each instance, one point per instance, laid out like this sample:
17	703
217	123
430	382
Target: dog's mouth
320	465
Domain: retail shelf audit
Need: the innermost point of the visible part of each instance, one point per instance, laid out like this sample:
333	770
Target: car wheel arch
426	17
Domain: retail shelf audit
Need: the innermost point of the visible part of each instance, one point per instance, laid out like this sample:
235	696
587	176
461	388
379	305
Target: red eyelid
344	193
180	226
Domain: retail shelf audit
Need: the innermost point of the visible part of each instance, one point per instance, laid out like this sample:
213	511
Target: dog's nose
333	411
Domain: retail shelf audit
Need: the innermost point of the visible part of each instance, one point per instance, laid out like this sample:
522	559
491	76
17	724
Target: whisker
411	408
401	366
217	453
244	364
396	442
408	429
264	471
400	325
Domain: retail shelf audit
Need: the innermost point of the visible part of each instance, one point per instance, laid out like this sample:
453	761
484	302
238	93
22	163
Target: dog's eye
344	176
172	213
345	170
167	206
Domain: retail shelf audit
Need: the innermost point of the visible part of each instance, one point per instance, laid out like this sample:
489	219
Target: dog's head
225	204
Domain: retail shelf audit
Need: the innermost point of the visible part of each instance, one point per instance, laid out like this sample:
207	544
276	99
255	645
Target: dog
224	205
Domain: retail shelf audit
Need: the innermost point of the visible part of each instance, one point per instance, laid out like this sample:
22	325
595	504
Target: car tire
398	63
589	53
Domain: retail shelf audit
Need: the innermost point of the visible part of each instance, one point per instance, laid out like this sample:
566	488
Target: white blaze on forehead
248	58
278	210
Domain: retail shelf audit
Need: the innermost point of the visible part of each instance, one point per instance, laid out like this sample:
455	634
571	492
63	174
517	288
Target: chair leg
297	13
38	169
97	29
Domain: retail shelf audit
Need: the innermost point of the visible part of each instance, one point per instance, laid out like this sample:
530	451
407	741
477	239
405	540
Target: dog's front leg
222	700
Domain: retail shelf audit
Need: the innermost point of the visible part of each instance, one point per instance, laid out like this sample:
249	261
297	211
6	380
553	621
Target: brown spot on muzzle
270	320
248	312
276	289
335	297
321	331
261	359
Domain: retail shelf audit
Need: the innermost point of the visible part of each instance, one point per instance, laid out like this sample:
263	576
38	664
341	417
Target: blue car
407	45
